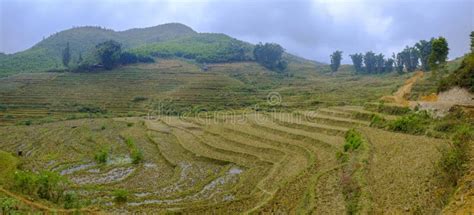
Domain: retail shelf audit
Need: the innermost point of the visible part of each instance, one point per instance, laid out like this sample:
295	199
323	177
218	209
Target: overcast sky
309	28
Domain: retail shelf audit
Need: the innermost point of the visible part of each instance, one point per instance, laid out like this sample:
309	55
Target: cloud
310	28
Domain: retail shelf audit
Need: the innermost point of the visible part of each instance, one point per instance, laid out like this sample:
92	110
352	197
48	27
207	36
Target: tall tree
269	55
109	53
424	51
336	58
379	63
369	61
439	52
388	67
357	60
398	62
414	58
66	55
409	57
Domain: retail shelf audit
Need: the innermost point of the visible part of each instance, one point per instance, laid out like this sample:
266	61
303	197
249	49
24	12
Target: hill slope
47	53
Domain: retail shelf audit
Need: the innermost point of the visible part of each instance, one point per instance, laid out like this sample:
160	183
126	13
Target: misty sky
309	28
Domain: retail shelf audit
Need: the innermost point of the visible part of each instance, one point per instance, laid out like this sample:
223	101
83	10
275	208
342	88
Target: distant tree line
371	63
424	55
107	54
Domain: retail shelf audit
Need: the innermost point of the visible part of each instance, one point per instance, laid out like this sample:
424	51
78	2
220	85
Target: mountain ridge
46	54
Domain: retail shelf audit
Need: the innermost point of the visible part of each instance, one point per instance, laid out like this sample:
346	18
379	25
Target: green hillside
203	47
46	55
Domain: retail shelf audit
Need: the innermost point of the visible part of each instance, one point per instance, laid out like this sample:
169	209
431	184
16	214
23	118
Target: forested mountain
163	40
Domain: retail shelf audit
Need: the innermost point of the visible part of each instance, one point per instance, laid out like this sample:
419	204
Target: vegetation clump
139	99
377	121
8	165
462	77
8	205
91	109
102	155
454	157
353	140
389	109
120	196
135	152
269	55
71	200
45	184
413	123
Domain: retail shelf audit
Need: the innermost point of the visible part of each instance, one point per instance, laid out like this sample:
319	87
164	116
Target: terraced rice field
179	86
263	162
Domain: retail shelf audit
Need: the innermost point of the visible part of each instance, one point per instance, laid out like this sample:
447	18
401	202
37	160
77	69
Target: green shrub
8	166
136	153
139	99
120	196
102	155
463	134
46	184
137	156
71	200
455	156
462	77
130	143
50	185
91	109
8	205
353	140
27	122
25	182
377	121
412	124
388	109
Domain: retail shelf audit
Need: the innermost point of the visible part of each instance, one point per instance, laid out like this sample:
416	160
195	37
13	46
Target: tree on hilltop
369	61
424	51
388	65
398	61
336	58
379	63
439	53
357	60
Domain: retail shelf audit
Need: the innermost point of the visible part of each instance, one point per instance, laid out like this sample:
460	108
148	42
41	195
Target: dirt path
399	97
